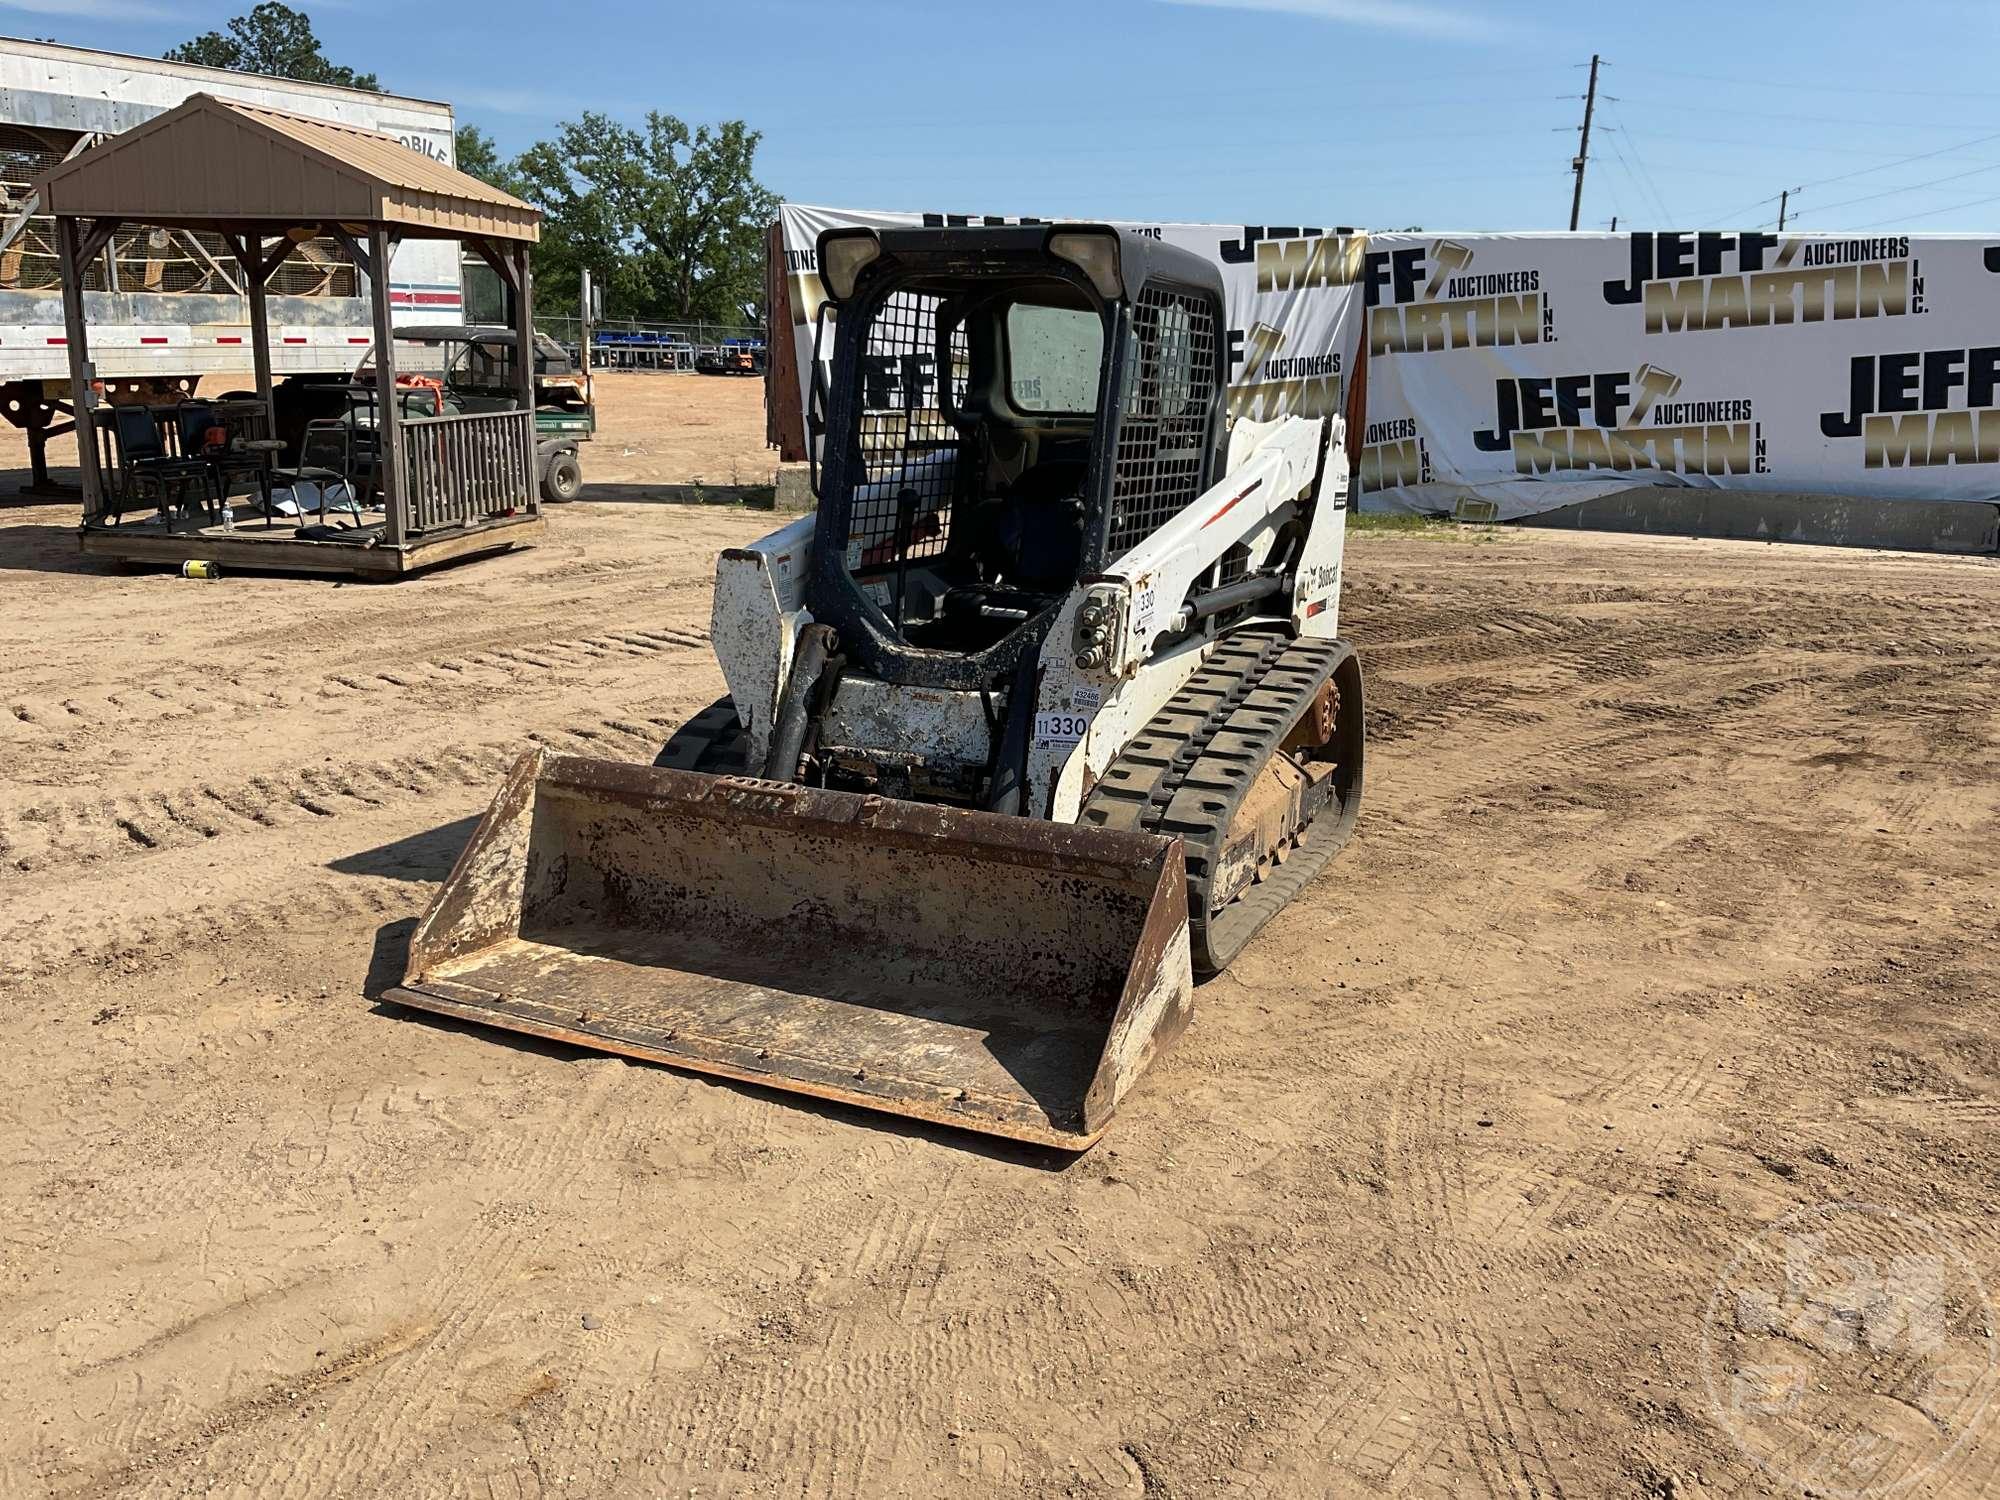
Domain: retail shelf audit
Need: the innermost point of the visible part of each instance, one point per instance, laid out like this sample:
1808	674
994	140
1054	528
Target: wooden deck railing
461	470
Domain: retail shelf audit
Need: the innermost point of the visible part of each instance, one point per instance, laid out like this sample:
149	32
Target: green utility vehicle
471	368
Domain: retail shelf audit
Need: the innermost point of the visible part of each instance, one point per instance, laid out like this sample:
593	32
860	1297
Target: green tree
473	152
275	40
672	219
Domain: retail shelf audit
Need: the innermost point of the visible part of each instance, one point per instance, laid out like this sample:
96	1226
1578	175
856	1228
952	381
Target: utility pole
1784	201
1614	223
1583	146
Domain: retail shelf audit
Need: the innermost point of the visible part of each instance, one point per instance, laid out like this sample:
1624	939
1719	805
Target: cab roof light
843	254
1095	253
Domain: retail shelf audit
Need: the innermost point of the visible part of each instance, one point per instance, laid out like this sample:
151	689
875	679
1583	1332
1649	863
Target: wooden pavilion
450	484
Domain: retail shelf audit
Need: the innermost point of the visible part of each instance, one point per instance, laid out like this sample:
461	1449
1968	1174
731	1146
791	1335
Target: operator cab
976	522
963	496
974	414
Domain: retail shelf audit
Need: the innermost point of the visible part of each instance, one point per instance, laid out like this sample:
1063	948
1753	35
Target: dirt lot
1671	911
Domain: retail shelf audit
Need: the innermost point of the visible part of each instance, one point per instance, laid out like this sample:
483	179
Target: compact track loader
1039	716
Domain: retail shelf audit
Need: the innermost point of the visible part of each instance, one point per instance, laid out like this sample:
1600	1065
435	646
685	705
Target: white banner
1510	374
1289	295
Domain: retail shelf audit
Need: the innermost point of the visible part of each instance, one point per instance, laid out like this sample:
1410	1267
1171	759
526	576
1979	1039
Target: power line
1978	140
1826	88
1898	192
938	150
1901	161
1720	140
1925	213
1644	174
1638	189
1617	203
1632	177
1765	114
1724	218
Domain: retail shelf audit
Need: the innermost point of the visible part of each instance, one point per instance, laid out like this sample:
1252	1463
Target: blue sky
1447	114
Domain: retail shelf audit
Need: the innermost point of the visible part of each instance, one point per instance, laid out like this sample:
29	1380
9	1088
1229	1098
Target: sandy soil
1671	911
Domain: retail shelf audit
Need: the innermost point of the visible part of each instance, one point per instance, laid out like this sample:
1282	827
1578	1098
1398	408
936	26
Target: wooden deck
253	546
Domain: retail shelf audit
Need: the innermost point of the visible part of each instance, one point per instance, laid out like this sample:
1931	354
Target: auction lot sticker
1061	728
1850	1350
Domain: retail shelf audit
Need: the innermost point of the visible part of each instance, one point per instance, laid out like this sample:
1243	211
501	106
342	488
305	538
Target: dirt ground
1671	912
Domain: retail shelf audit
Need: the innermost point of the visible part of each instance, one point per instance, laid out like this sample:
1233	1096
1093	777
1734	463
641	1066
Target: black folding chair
326	460
226	464
146	470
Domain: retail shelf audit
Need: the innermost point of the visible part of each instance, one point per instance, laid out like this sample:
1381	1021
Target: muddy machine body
1034	721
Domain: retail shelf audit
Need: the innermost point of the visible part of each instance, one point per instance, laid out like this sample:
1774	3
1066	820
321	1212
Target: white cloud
534	103
1382	15
96	10
528	104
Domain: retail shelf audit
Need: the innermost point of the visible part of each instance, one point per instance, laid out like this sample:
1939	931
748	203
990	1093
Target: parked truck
165	305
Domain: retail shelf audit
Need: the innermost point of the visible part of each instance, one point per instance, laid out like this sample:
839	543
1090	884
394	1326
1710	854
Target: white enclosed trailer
165	306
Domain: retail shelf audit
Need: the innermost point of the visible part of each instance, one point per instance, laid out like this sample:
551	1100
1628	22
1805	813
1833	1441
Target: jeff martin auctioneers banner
1532	371
1291	338
1509	374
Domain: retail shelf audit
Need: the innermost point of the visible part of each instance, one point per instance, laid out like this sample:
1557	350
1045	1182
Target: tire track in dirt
1497	1411
821	1402
48	840
1482	1215
375	1421
196	696
187	1448
837	1301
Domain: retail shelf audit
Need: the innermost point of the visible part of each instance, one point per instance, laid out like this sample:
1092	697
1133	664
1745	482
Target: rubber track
712	741
1188	770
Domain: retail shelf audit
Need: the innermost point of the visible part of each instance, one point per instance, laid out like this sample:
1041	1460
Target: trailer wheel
563	481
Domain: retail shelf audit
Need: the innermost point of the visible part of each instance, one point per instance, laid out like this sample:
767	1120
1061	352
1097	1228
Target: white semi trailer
165	306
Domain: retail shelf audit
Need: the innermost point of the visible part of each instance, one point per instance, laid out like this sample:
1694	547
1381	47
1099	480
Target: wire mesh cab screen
909	449
1163	433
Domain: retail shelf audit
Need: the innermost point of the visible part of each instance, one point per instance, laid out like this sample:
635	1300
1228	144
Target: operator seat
1030	538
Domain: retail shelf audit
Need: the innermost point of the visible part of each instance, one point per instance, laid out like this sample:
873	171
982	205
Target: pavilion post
388	420
257	278
76	338
249	254
524	365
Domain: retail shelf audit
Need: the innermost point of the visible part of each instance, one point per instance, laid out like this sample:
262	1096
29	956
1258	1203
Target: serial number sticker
1085	697
1060	728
